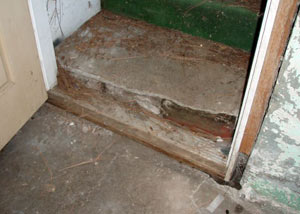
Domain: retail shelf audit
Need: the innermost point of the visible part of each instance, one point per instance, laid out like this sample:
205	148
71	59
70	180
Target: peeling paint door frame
274	33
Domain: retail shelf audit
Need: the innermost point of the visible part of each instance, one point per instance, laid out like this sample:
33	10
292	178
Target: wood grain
165	138
276	49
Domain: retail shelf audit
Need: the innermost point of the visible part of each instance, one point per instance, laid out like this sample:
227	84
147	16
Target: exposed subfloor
156	62
59	163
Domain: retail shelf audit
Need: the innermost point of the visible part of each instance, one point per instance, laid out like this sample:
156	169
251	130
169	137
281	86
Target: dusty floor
152	61
59	163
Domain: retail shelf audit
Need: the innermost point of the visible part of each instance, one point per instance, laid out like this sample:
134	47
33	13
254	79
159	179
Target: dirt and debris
115	57
216	127
97	35
152	61
129	178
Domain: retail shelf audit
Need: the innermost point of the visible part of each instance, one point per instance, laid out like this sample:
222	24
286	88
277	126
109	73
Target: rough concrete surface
58	163
148	60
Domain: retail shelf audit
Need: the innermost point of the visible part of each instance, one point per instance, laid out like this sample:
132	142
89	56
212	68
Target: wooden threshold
142	127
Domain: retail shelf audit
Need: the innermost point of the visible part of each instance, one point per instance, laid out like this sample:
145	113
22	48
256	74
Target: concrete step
175	92
232	22
194	83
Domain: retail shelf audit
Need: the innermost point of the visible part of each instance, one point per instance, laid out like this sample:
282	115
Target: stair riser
216	127
168	139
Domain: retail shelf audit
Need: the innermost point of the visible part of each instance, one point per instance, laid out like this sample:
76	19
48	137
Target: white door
22	89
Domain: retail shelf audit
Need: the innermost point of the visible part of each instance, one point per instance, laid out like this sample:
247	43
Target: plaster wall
66	16
54	20
273	170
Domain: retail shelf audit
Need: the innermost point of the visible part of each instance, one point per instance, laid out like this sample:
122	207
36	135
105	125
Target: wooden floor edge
62	100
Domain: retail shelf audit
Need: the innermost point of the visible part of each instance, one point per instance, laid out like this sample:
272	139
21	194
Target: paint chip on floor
215	203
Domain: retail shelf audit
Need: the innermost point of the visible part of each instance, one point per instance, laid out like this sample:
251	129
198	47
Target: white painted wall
44	42
57	19
66	16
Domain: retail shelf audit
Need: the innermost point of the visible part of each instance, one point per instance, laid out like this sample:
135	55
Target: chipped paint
266	188
273	170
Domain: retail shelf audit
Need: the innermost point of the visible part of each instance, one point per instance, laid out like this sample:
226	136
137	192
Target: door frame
274	33
43	37
273	37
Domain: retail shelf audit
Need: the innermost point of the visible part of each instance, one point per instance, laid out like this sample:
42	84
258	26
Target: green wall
232	25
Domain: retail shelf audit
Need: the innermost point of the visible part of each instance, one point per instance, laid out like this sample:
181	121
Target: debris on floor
39	174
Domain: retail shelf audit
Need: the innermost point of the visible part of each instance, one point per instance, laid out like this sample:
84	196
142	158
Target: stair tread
158	62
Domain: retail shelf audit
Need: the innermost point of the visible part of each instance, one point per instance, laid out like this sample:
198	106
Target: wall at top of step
273	171
54	20
66	16
232	22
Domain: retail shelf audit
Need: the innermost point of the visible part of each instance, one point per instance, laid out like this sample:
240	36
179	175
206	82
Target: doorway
176	92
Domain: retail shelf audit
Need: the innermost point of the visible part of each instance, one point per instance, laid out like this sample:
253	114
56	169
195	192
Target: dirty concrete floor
157	62
59	163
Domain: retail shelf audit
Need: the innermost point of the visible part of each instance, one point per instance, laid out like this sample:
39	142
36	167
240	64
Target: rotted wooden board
138	125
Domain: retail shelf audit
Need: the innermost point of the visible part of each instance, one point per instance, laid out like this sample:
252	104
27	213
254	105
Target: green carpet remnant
227	22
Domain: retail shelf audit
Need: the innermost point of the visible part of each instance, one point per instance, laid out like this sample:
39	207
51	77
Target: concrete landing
59	163
160	63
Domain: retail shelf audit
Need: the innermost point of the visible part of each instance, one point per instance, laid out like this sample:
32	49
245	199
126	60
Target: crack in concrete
193	194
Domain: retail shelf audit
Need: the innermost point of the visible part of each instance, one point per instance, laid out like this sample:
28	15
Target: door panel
22	89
